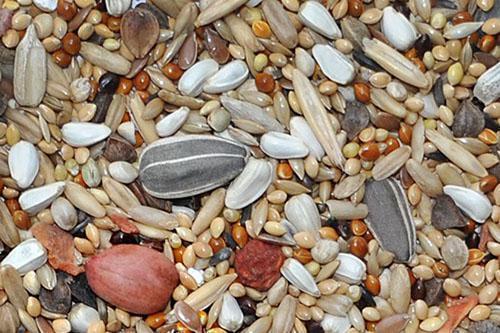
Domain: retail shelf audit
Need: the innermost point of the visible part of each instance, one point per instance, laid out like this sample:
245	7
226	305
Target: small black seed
220	256
366	299
418	290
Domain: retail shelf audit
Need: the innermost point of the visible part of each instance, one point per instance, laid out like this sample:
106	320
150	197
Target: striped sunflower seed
176	167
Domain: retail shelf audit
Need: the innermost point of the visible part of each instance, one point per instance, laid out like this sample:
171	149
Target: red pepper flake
457	310
124	224
258	264
60	247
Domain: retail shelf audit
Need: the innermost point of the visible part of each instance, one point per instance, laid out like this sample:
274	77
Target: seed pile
249	166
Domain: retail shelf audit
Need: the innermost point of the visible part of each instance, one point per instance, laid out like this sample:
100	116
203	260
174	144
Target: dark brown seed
418	290
434	293
188	52
57	300
386	121
119	149
215	45
355	119
469	120
446	215
139	30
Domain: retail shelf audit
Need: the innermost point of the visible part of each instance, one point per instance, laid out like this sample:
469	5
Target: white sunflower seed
34	200
398	30
192	81
302	213
351	269
27	256
23	163
84	134
250	184
476	205
300	128
299	276
487	88
283	146
122	171
334	64
229	77
230	316
316	17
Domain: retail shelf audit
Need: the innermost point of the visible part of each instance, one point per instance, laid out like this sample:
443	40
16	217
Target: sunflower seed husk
456	153
27	256
299	128
395	63
248	111
316	17
280	23
428	182
487	88
388	165
474	204
170	167
250	184
34	200
398	30
30	69
302	213
98	55
282	146
230	316
23	163
139	31
351	269
117	7
229	77
317	117
390	219
283	317
84	134
333	63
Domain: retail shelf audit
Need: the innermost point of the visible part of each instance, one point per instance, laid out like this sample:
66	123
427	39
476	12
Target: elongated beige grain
418	140
204	296
428	182
456	153
388	165
120	194
110	61
216	10
382	99
394	62
209	211
317	117
82	199
146	127
115	112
